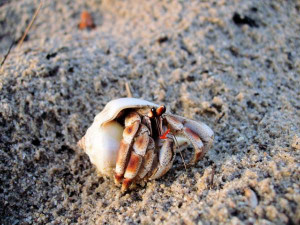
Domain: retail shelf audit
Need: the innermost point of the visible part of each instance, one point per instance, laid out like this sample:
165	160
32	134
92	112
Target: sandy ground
234	65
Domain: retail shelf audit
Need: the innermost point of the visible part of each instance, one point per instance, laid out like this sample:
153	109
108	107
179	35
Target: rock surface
234	65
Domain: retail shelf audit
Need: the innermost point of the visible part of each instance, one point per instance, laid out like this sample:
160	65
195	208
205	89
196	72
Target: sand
234	65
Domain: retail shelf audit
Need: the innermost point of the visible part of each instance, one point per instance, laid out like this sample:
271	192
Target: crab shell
102	139
114	107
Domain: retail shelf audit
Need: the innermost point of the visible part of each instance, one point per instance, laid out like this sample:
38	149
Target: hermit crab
134	140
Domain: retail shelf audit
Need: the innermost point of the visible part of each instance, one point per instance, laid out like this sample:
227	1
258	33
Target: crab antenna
164	135
183	162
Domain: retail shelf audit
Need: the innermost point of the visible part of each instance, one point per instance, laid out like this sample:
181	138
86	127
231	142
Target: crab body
135	140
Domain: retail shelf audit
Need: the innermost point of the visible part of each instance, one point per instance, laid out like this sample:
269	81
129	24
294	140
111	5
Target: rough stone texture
235	65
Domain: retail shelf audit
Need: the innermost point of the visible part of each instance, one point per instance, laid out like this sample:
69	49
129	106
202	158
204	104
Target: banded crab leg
199	134
147	160
140	160
132	124
136	152
139	147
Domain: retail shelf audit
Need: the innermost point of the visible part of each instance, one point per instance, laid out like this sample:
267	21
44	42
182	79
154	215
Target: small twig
128	89
21	40
211	183
8	51
29	25
220	117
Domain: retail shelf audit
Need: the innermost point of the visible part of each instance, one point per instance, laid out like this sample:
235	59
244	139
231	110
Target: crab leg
166	157
139	147
202	130
148	159
199	134
196	142
132	169
132	123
